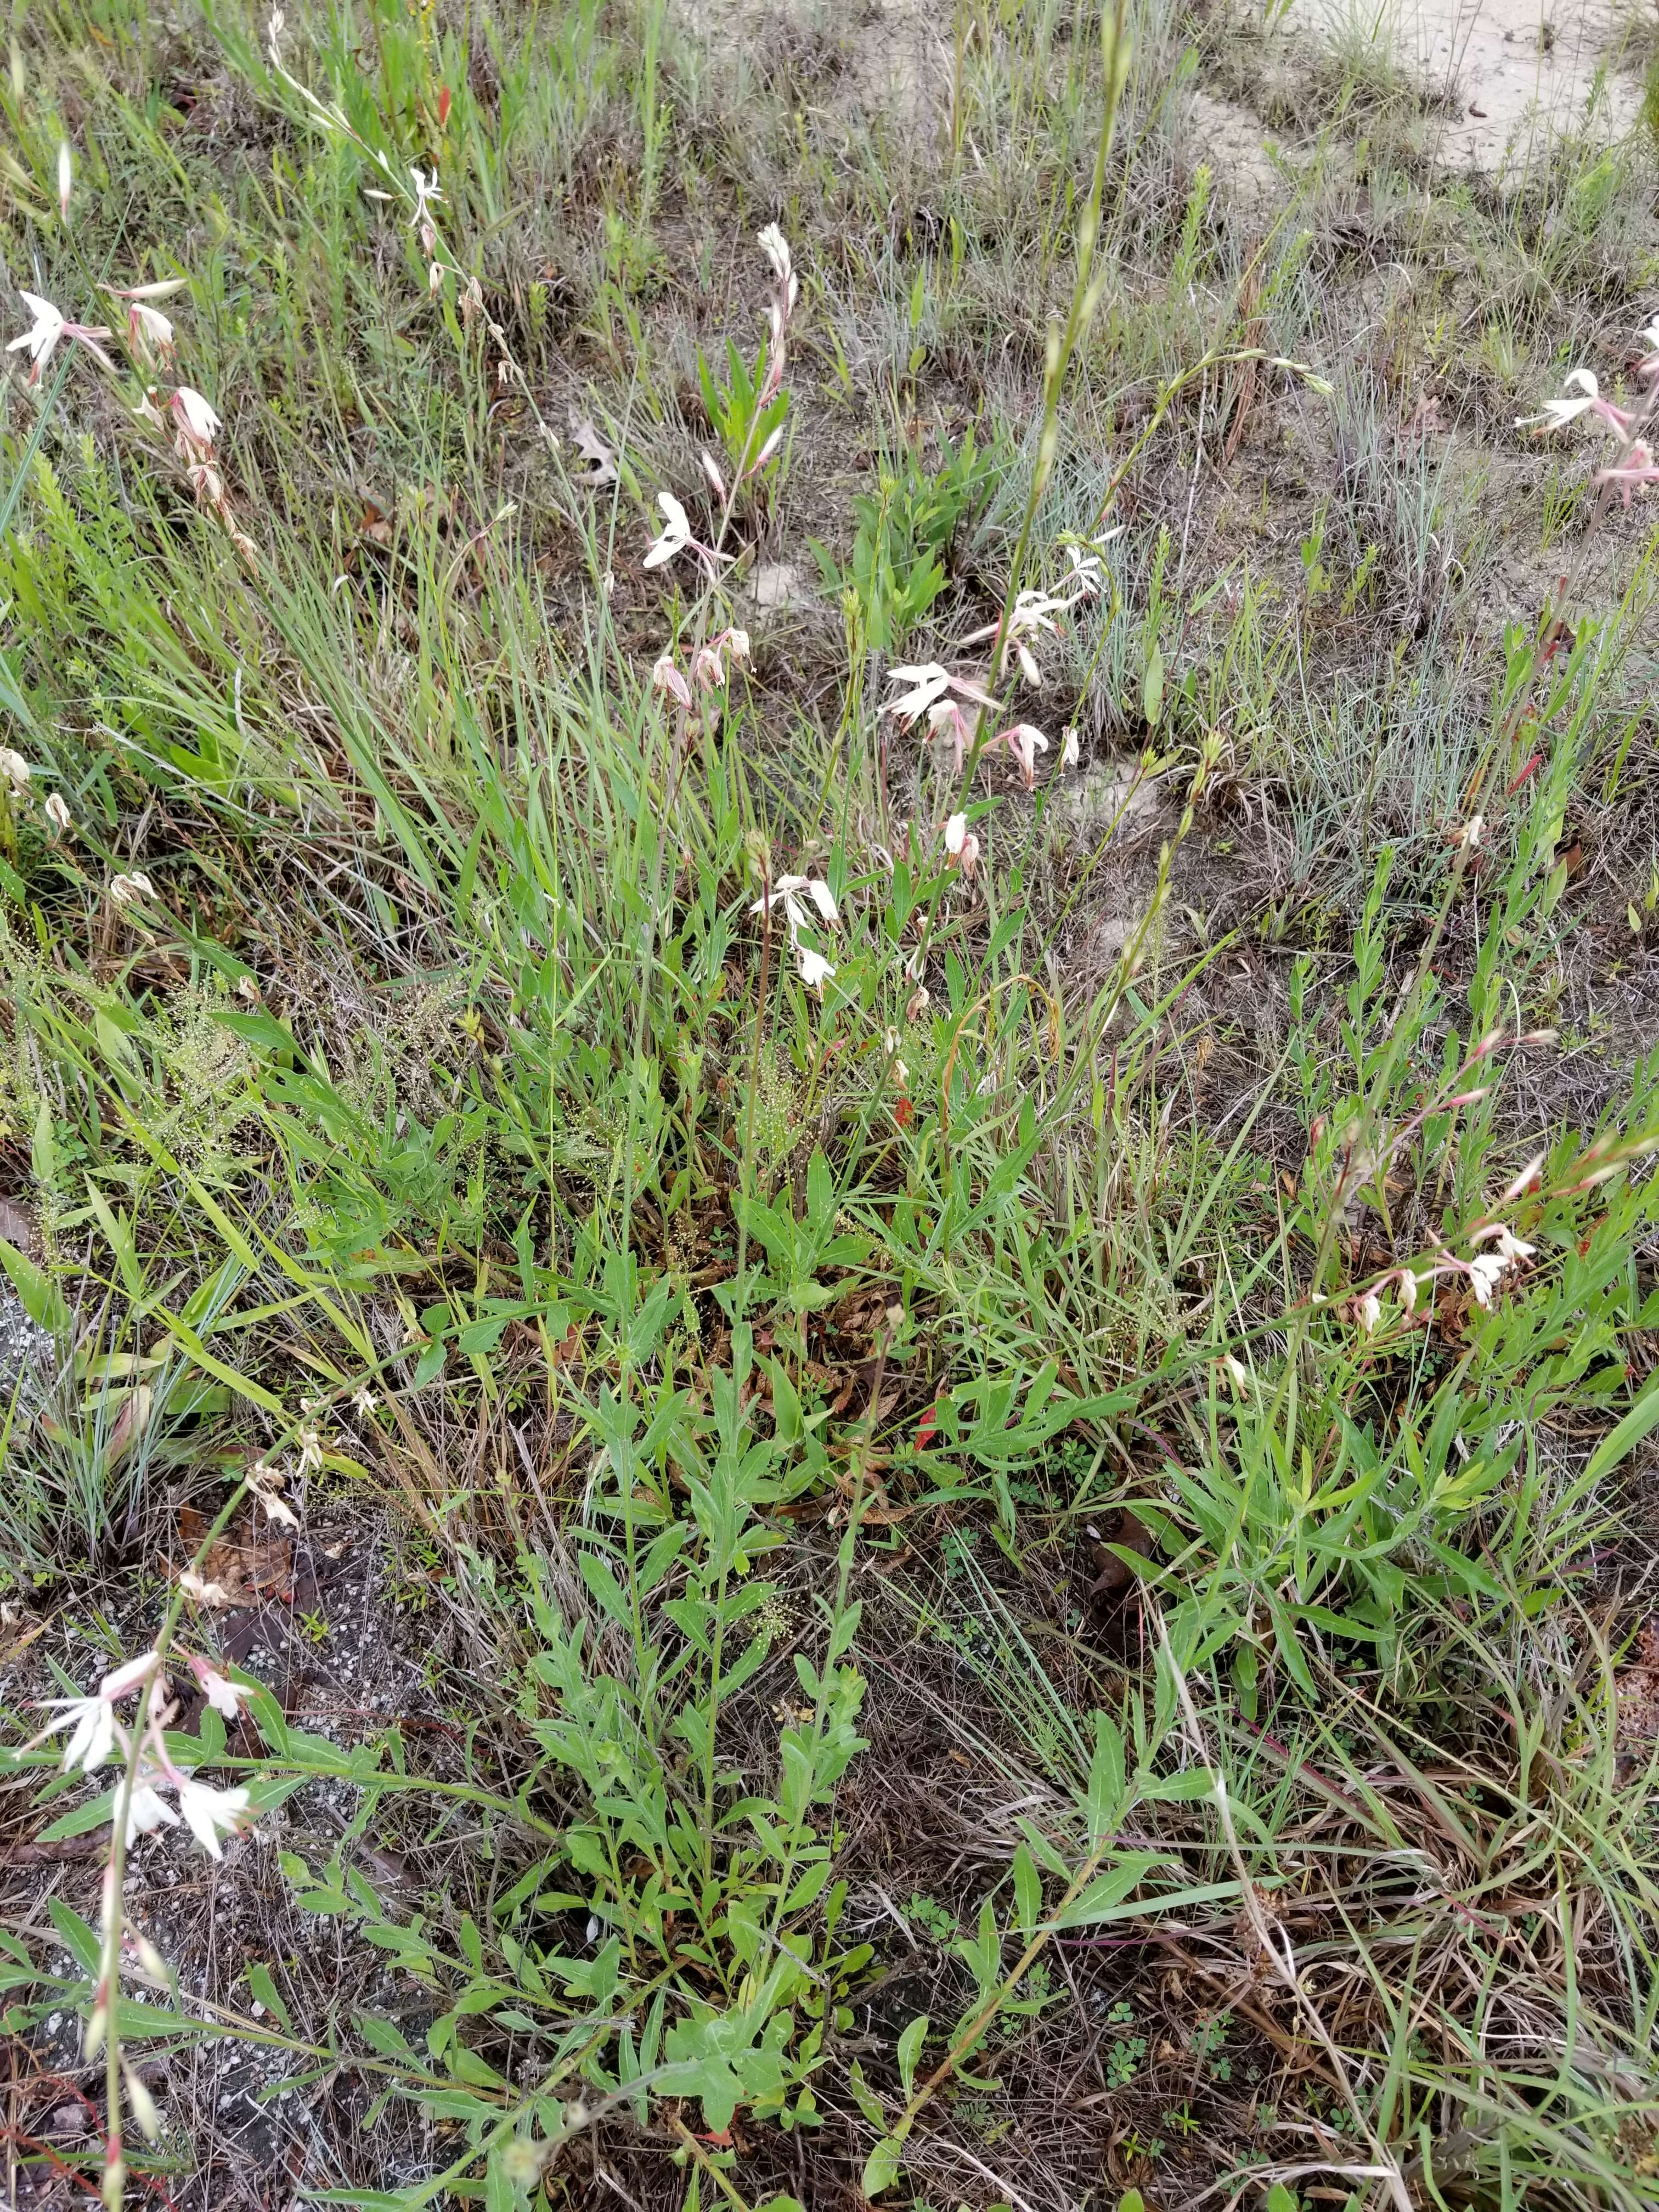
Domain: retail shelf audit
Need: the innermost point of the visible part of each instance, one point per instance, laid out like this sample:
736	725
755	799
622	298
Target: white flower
58	813
961	845
364	1400
677	533
1070	751
148	1811
1558	413
1485	1274
816	889
309	1438
1407	1281
210	1813
1471	836
194	421
1511	1248
16	771
1239	1373
928	683
221	1694
786	892
91	1724
1087	578
426	197
1370	1310
129	1675
124	890
41	337
815	971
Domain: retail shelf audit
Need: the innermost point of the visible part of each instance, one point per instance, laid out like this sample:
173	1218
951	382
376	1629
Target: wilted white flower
1370	1310
1238	1373
195	423
65	178
677	533
961	845
776	247
16	771
709	669
716	481
364	1400
1070	751
212	1812
58	813
124	890
1471	835
309	1438
149	332
1024	743
665	677
265	1482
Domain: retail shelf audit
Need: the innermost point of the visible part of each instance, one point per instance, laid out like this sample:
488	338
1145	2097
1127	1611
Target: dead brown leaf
243	1567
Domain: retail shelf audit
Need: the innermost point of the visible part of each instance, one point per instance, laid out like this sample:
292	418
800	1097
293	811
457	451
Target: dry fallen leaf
601	468
240	1568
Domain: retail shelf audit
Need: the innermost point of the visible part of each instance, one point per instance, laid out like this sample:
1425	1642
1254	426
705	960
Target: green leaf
1107	1781
96	1813
881	2167
40	1298
909	2049
868	2103
1641	1421
1095	1903
81	1941
1028	1891
264	1991
1152	690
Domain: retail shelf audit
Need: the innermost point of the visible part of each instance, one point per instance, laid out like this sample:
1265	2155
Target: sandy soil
1516	69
